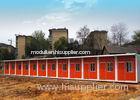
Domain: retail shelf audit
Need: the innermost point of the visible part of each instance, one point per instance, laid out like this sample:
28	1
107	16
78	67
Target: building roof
120	50
58	29
5	45
90	56
99	31
23	36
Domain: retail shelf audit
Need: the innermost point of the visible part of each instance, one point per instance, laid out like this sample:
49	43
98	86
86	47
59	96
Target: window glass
53	66
0	67
77	67
109	66
7	66
64	67
26	66
34	67
92	67
43	67
19	66
129	67
13	66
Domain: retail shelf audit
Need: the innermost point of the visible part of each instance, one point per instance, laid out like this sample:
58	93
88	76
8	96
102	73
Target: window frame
127	67
1	68
19	66
43	67
94	67
108	67
13	66
26	66
53	67
7	66
64	68
34	67
76	67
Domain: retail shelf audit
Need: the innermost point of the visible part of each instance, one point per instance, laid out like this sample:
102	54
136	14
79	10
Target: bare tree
119	33
82	33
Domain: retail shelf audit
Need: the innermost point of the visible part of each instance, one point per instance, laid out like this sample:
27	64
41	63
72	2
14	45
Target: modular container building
114	68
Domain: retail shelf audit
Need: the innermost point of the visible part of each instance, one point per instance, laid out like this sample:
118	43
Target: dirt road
25	88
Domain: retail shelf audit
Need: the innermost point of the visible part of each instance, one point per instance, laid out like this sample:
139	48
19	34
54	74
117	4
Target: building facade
21	42
56	34
113	68
95	42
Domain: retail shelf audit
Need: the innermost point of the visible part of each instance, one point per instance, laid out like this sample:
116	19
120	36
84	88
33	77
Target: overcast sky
26	16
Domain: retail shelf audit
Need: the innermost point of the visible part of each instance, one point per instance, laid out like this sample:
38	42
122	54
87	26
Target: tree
61	44
37	42
136	36
39	37
73	46
6	55
119	34
83	33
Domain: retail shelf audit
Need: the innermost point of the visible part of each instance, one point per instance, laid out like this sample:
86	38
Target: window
13	66
53	66
109	66
43	67
77	67
7	66
92	67
34	67
26	66
129	67
64	67
0	67
19	66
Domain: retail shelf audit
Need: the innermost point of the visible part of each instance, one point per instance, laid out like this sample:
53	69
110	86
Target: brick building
96	41
56	34
21	42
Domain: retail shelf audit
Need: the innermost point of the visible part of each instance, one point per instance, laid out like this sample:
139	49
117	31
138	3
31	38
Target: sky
25	16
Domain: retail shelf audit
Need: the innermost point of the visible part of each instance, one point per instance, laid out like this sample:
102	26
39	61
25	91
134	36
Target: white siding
138	67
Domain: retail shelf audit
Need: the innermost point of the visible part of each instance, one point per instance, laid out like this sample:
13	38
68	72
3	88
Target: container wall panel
73	72
2	68
51	68
12	68
26	68
88	74
18	68
123	74
106	74
33	68
61	71
6	68
42	68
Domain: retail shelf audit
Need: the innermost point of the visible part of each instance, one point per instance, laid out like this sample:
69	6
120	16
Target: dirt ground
26	88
